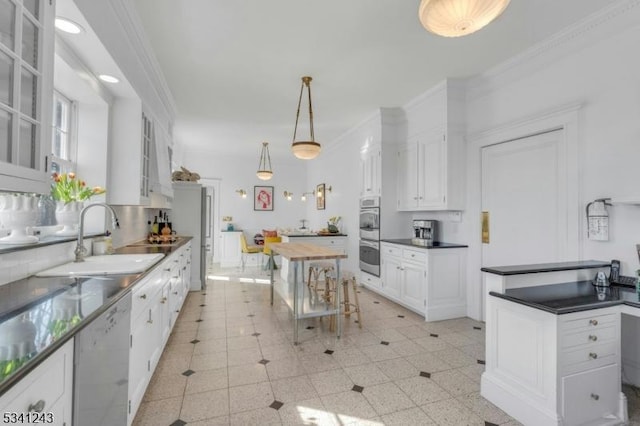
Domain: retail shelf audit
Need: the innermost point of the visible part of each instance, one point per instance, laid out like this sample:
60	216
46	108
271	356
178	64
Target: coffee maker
425	232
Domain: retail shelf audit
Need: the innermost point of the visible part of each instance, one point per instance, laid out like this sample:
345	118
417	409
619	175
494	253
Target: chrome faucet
80	251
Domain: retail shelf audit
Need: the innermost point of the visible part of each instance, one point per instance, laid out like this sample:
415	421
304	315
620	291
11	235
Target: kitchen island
292	287
553	343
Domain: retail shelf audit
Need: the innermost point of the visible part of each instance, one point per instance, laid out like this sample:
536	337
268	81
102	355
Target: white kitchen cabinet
26	91
230	249
48	389
554	369
370	170
156	301
431	164
430	282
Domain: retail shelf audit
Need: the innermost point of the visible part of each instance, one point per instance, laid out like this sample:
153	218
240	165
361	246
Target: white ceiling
234	66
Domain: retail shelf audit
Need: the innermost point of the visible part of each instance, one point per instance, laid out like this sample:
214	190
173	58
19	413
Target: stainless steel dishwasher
101	366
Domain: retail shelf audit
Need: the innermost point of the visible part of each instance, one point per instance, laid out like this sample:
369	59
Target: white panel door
524	191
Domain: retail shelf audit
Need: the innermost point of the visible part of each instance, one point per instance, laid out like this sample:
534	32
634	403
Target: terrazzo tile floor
230	360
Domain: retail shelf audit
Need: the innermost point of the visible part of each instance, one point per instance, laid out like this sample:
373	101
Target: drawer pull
595	396
163	300
593	322
593	355
593	338
37	407
143	296
175	292
150	321
167	269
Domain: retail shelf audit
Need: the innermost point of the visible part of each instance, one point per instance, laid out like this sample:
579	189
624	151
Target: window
62	160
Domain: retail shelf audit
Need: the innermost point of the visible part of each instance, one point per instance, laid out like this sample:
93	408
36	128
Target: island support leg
338	299
295	302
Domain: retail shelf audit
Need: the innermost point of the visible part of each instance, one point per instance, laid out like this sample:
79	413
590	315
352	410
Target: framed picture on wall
263	198
320	197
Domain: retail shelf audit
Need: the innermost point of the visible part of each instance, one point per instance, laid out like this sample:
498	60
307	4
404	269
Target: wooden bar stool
315	269
348	307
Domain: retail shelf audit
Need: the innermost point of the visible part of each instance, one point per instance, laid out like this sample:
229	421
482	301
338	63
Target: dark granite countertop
41	314
436	244
571	297
545	267
314	235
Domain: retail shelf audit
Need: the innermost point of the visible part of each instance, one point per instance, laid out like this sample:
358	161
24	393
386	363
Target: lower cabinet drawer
591	395
589	357
584	337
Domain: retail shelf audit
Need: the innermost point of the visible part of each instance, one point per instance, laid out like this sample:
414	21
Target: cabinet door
432	166
139	360
413	285
165	313
370	168
391	276
408	177
26	89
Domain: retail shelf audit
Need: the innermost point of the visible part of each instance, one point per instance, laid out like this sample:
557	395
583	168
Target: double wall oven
370	235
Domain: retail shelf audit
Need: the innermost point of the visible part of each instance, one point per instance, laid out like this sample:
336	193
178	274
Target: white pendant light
455	18
264	172
309	149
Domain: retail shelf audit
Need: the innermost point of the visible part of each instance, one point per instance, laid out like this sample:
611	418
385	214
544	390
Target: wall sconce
303	197
288	195
319	193
242	193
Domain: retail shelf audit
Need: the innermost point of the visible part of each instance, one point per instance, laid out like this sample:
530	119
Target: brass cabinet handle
37	407
595	396
593	338
143	296
163	300
593	322
593	355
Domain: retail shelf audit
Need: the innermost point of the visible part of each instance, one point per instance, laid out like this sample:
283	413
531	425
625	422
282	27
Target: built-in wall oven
370	235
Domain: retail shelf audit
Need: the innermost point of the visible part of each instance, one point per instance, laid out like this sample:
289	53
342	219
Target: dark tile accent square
425	374
204	294
310	327
477	328
188	373
194	341
203	305
486	423
328	352
384	343
400	316
356	321
264	361
244	291
481	361
357	388
251	315
276	405
246	301
376	302
358	291
178	423
255	334
433	335
199	320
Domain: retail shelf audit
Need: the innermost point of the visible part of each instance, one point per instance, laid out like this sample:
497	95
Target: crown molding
612	19
131	24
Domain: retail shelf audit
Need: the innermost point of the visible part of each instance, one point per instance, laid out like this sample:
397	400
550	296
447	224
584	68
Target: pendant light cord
305	80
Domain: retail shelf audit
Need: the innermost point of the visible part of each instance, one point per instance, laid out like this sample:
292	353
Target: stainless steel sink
114	264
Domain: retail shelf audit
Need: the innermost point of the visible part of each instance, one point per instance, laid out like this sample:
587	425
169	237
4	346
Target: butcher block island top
304	251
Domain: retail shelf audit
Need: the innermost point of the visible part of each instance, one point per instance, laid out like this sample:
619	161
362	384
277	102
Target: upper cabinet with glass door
26	75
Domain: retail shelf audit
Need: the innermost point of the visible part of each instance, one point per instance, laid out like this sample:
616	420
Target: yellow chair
267	250
247	249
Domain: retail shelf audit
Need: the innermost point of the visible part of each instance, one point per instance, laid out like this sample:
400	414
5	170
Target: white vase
68	215
18	213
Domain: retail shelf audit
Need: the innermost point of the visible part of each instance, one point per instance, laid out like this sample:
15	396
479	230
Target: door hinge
131	340
148	365
129	406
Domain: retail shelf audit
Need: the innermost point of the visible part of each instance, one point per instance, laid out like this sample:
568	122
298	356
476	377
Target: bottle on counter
155	227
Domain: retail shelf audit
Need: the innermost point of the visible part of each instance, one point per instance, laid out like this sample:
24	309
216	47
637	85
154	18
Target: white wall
599	70
239	172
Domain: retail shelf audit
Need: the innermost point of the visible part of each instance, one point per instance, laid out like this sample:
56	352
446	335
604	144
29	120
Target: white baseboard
438	313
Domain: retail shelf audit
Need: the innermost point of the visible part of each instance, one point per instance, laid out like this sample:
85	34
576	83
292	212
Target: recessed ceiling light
108	78
68	26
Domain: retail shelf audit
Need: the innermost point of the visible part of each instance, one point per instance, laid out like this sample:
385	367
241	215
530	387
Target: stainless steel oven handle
370	244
